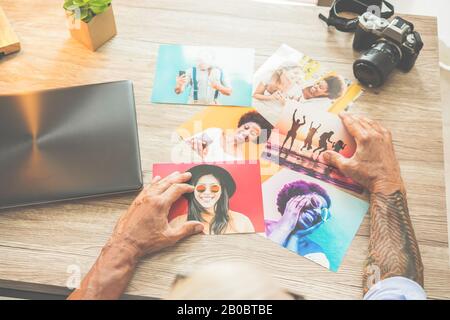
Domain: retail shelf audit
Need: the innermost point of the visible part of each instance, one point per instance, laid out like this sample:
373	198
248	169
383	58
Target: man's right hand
393	248
374	164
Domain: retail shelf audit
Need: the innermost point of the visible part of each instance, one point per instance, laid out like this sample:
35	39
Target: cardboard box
9	43
95	33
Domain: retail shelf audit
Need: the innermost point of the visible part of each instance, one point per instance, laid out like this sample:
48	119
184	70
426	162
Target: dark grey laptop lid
68	143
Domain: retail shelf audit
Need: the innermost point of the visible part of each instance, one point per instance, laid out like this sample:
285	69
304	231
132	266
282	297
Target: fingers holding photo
361	127
174	178
371	126
175	191
375	125
354	126
158	185
225	198
185	230
305	138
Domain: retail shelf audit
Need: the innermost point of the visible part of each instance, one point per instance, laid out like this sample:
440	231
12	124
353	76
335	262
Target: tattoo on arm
393	248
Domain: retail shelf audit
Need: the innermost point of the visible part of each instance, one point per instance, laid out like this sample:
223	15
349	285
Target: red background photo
246	200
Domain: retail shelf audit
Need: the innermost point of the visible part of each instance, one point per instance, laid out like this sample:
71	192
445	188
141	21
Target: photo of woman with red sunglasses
210	201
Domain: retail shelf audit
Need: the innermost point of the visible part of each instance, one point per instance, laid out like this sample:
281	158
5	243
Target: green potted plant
91	21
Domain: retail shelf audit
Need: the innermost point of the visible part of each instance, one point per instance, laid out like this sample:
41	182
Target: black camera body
386	46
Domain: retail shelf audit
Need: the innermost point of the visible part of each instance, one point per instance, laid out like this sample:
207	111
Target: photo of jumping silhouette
323	142
338	146
309	138
292	133
299	142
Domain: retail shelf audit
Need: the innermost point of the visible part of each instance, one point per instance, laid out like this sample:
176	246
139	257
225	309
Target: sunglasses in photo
214	188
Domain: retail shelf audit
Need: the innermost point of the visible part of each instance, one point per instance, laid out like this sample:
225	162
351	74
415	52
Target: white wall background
438	8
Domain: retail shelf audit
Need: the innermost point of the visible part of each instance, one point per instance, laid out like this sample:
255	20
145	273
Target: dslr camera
386	46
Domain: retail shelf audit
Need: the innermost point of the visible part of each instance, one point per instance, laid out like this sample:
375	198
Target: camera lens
375	65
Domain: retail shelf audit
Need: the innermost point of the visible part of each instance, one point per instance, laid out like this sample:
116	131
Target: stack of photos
261	169
310	208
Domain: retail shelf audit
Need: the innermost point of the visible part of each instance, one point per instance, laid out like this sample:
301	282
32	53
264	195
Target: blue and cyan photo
204	76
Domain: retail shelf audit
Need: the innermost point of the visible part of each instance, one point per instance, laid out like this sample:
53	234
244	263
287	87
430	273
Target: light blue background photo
335	235
238	64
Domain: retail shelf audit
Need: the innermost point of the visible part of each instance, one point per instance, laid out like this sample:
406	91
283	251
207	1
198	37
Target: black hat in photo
223	175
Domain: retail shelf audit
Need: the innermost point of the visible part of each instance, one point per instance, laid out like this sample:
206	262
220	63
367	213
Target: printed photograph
300	138
310	217
227	198
289	75
219	134
204	75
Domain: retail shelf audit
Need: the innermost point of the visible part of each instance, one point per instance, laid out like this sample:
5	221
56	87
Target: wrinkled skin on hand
393	248
374	164
145	227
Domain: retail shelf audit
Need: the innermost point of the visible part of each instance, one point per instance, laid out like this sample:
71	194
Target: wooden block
9	43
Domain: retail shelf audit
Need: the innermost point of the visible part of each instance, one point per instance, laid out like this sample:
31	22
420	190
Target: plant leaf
88	8
98	9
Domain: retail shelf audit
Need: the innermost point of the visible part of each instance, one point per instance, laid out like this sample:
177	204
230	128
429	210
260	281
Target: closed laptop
68	143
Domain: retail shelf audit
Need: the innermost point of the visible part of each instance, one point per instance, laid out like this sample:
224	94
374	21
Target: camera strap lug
353	6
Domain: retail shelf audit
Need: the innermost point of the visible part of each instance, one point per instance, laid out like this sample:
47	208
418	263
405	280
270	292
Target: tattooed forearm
393	248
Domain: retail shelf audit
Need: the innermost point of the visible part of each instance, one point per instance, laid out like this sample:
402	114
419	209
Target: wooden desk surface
39	244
